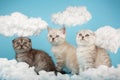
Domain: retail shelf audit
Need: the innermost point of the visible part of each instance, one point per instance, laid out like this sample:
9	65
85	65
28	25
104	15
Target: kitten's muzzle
21	47
82	37
53	39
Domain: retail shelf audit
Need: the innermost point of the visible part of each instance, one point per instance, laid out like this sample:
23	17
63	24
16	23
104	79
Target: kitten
88	54
65	53
37	58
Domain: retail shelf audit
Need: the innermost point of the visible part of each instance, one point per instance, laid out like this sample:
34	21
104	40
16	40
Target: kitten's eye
87	35
80	34
50	35
57	35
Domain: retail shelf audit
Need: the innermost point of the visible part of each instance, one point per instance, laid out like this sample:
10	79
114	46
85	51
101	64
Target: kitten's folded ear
13	40
29	40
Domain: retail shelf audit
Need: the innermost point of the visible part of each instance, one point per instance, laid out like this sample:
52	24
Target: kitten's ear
91	32
63	30
48	28
13	40
29	40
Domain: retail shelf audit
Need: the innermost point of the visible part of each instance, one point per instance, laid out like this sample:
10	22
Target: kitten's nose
82	37
53	39
21	46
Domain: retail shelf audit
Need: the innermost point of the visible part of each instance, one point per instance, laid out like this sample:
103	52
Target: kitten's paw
81	70
75	72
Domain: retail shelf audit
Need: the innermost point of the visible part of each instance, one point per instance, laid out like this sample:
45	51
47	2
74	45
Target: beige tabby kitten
88	54
37	58
65	53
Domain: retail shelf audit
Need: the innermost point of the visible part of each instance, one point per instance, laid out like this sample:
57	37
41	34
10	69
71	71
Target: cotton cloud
21	25
72	16
108	38
11	70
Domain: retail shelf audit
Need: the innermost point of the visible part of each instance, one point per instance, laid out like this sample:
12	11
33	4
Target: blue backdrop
104	12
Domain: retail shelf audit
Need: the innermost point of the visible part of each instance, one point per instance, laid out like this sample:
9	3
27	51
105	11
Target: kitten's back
41	58
102	58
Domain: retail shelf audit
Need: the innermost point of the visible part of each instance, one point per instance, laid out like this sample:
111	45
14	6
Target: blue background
104	12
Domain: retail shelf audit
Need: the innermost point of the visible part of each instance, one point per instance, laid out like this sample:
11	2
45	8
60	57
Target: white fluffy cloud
11	70
72	16
108	38
20	25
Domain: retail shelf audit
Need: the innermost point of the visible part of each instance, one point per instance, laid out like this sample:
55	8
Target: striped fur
88	54
37	58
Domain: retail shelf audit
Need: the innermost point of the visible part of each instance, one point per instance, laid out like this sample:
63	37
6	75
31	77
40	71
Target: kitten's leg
59	64
40	66
75	71
89	64
81	69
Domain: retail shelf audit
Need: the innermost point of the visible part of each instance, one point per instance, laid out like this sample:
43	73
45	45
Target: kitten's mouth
20	49
82	39
53	41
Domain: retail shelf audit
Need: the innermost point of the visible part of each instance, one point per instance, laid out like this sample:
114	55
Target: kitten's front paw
81	70
74	73
87	67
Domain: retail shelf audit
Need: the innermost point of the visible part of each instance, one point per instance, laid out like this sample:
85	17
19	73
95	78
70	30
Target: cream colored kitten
64	52
88	54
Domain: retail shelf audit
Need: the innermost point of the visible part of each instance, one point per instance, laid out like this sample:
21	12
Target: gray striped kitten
88	54
37	58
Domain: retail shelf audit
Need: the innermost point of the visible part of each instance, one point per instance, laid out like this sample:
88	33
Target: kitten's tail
62	72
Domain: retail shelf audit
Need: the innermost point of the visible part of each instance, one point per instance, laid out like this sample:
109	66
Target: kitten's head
56	36
22	44
85	37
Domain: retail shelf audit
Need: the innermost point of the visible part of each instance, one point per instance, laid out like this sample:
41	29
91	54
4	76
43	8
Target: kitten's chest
58	50
83	50
23	58
83	53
